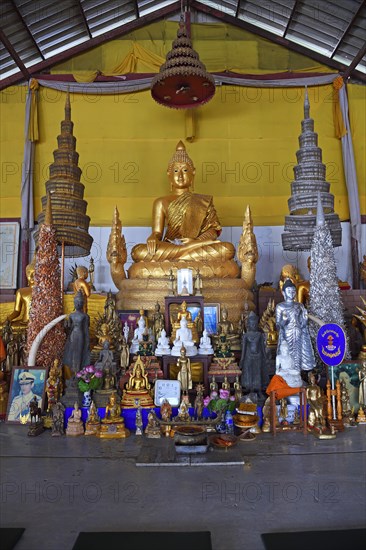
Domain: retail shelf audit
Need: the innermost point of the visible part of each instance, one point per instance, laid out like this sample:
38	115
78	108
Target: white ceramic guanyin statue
138	335
205	344
184	337
163	347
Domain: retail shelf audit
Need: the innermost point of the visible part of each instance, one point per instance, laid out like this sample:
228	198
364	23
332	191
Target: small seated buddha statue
138	335
226	328
184	313
112	410
75	425
92	424
153	426
145	346
106	358
103	335
205	344
20	316
185	230
163	347
184	337
113	425
137	387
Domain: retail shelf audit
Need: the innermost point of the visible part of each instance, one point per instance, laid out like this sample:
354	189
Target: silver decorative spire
308	184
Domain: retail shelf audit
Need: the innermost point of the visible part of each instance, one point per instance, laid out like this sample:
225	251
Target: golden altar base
144	293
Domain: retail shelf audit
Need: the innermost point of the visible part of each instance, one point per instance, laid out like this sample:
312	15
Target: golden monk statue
185	230
20	316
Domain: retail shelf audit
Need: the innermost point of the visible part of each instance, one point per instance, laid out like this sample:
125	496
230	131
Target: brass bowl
190	435
223	441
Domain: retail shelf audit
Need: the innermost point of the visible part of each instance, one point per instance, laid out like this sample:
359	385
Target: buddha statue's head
29	272
181	170
82	272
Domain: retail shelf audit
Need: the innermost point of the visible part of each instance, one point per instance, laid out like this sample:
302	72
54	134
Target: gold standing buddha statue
185	230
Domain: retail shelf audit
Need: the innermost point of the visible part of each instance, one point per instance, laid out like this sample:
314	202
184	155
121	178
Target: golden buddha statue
185	230
137	387
92	424
226	328
184	312
113	425
81	284
20	316
112	410
103	336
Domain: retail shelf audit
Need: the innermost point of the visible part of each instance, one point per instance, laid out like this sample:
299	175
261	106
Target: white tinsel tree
46	302
325	301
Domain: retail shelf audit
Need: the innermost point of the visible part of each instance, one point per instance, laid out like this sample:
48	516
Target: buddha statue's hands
152	242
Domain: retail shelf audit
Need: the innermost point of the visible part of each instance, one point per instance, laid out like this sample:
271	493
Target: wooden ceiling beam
281	41
15	56
24	23
92	43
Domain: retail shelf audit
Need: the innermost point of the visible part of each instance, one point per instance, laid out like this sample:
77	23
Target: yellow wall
244	147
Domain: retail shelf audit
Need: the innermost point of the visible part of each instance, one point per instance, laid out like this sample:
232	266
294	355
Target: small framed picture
348	374
212	317
9	246
25	385
129	316
184	282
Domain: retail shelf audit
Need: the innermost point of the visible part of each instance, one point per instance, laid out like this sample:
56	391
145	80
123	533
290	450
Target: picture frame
24	385
211	317
184	282
130	316
9	253
348	372
194	311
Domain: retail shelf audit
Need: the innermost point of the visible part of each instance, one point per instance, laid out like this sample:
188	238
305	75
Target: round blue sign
331	344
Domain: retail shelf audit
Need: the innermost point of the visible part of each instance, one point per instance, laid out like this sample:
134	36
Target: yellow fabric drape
129	64
339	127
33	133
221	47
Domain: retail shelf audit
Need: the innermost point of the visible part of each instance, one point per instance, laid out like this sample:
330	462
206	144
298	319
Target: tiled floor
57	487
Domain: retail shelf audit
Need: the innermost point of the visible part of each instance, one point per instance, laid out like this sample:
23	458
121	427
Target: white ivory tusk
38	339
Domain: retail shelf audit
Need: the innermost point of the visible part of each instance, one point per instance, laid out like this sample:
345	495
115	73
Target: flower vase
87	399
221	425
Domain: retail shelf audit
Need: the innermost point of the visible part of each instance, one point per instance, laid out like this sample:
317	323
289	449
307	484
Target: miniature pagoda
66	191
309	180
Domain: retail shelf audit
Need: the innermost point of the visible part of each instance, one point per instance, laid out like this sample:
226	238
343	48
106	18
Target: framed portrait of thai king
27	384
